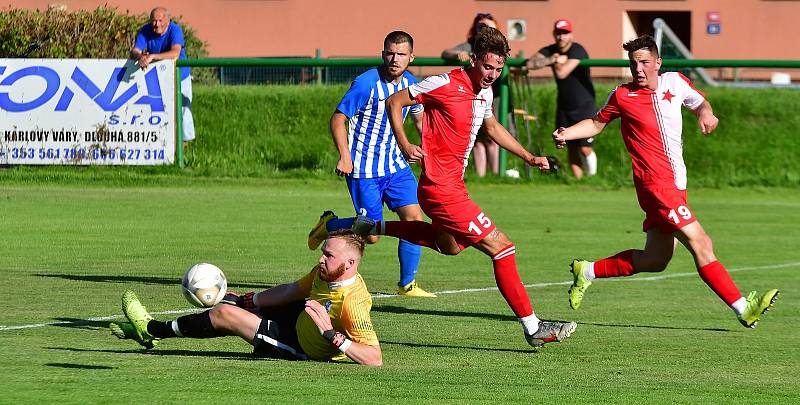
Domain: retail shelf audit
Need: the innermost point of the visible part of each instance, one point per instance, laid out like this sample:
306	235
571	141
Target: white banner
86	112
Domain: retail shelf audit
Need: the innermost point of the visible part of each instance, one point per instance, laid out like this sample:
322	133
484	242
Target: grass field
68	253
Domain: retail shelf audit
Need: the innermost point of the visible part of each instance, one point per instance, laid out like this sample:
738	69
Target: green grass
68	253
282	131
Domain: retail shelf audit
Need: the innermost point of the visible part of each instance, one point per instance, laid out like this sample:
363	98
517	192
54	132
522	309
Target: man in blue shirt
163	39
369	158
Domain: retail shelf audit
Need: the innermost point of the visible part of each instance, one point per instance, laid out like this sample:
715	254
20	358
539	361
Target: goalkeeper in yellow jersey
323	316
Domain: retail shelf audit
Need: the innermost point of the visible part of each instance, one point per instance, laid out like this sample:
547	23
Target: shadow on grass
79	366
171	352
483	349
391	309
144	280
626	325
76	323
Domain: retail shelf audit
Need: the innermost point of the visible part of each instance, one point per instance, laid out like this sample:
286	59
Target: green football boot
579	283
319	233
139	318
126	330
756	306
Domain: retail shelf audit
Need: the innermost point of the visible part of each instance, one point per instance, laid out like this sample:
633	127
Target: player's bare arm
585	129
500	134
339	135
281	295
453	53
706	118
564	66
539	61
136	53
418	122
394	105
358	352
145	58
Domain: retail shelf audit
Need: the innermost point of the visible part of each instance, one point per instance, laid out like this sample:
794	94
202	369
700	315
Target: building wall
751	29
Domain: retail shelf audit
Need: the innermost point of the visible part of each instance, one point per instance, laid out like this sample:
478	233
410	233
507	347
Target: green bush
266	130
102	33
755	143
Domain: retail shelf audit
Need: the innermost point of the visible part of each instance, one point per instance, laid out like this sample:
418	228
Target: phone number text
78	154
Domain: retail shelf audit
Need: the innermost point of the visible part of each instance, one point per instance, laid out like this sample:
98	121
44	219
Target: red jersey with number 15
651	127
454	112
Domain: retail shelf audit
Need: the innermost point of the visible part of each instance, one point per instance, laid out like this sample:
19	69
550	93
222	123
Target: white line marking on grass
466	290
99	318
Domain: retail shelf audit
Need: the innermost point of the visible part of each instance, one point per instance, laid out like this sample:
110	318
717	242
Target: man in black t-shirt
575	92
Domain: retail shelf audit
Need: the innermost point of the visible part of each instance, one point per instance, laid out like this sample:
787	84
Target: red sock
417	232
509	283
619	265
715	275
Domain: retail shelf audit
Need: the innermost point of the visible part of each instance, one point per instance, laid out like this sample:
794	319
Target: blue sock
409	255
339	223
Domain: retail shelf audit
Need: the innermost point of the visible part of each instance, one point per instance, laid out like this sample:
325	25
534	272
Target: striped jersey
348	305
651	126
454	112
373	147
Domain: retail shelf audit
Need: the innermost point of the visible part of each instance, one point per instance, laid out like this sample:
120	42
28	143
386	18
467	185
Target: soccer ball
204	285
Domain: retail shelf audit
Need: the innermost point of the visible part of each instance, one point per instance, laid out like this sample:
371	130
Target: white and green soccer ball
204	285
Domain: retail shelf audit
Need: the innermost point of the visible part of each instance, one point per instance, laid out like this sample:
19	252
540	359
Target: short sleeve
610	110
357	95
141	41
545	51
419	92
577	52
488	112
692	97
176	36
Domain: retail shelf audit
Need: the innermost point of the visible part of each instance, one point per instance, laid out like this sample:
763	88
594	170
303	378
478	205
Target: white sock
382	227
530	324
590	163
739	305
174	325
588	272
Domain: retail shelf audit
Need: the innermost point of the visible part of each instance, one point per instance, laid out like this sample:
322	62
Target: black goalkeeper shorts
276	336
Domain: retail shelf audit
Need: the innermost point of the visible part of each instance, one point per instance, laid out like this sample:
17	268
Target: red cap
563	24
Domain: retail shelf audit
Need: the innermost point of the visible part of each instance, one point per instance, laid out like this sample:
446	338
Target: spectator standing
576	99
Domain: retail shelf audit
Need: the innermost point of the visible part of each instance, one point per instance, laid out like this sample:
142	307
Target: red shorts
665	208
451	210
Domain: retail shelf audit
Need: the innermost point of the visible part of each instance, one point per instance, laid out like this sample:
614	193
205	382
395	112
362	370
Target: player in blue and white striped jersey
369	158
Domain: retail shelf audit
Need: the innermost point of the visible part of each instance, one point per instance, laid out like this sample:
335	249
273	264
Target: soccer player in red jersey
650	111
457	104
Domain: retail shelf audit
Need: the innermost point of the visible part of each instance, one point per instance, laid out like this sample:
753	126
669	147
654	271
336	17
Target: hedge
103	33
268	130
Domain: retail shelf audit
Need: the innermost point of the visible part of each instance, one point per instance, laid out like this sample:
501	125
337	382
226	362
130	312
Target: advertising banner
86	112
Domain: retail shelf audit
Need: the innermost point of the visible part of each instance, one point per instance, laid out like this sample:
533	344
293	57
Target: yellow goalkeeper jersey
348	306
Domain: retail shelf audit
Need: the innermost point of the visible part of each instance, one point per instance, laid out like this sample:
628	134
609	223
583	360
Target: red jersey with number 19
454	112
651	127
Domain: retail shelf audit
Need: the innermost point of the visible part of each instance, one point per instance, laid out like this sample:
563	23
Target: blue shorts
395	190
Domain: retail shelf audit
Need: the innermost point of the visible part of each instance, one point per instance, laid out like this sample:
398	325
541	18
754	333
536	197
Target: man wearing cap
575	92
